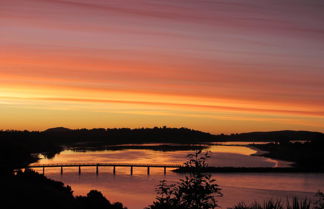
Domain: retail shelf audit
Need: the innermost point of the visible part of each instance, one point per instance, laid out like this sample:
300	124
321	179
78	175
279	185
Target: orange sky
219	66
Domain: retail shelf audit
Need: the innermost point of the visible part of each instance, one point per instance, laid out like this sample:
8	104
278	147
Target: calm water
137	191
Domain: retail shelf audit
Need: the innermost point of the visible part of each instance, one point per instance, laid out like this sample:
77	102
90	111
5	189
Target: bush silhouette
197	191
96	200
30	189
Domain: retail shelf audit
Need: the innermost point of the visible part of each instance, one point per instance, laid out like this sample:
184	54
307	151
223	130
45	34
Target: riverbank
307	155
263	153
250	170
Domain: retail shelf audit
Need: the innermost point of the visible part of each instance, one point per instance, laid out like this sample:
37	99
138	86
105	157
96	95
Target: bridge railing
114	165
105	164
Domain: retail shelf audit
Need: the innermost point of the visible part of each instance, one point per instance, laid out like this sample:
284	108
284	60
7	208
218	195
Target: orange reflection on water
233	149
140	156
137	191
231	156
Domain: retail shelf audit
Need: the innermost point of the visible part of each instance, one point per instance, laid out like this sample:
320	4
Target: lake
137	191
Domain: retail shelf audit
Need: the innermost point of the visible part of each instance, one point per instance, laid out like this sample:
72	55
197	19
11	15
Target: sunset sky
221	66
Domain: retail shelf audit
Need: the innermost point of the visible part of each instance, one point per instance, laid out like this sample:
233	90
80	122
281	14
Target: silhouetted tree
96	200
30	189
198	160
197	191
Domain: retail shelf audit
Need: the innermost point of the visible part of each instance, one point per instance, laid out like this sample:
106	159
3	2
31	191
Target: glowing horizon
217	66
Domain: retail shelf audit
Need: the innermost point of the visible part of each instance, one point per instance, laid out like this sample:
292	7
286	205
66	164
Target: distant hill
66	136
173	135
58	130
285	135
127	135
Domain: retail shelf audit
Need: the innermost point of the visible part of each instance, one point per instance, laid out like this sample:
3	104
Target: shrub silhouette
197	191
96	200
30	189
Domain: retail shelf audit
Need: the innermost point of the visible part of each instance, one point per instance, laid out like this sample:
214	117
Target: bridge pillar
114	170
79	170
43	170
61	170
131	170
148	170
97	169
164	170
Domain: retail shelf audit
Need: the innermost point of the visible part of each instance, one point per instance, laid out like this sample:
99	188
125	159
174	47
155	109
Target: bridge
113	165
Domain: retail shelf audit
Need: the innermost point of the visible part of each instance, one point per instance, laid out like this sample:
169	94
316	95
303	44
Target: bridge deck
105	164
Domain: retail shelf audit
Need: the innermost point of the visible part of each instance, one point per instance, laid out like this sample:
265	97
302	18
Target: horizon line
160	127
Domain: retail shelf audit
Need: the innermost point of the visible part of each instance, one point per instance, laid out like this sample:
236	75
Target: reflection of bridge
114	165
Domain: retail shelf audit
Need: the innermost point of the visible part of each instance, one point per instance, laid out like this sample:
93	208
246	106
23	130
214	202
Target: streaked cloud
249	57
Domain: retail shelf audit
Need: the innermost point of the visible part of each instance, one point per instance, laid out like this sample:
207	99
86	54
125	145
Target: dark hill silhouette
101	136
58	130
174	135
279	136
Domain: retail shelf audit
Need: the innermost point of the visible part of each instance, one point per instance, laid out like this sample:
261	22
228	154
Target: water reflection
241	143
235	156
137	191
243	150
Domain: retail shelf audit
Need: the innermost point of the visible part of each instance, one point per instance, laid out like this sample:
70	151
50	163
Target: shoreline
250	170
278	163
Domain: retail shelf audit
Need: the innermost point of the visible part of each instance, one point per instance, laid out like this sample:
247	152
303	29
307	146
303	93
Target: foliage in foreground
30	189
197	191
295	203
319	200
